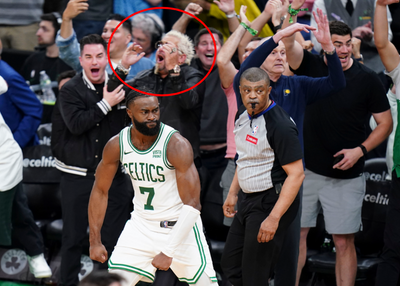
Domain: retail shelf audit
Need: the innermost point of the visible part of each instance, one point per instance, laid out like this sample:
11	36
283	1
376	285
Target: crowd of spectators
330	85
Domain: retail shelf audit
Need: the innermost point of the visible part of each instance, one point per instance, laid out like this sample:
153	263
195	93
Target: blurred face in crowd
205	49
343	49
249	49
139	37
93	60
46	33
119	41
275	63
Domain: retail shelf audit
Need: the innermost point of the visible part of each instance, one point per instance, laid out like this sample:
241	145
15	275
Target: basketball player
165	229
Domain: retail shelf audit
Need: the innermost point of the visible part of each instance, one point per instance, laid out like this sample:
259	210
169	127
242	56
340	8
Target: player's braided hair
133	95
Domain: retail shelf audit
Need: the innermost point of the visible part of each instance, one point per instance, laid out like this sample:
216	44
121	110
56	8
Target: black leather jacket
183	111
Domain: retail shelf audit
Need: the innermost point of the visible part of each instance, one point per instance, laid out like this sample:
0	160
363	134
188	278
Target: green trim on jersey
202	256
165	159
121	145
151	147
125	267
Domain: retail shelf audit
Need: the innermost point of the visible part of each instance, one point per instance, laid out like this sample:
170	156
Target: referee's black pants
75	194
244	261
286	266
389	269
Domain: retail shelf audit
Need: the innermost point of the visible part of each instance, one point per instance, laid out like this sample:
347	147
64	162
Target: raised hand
193	9
203	3
323	35
132	55
364	32
356	44
277	13
291	30
297	4
226	6
74	8
386	2
243	17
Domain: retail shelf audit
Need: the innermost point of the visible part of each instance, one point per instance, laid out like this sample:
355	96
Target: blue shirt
294	93
70	52
21	109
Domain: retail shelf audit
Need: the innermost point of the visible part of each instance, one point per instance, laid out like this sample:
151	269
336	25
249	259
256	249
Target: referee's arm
290	188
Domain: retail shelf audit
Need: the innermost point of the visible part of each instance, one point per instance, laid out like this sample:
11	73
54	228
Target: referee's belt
167	224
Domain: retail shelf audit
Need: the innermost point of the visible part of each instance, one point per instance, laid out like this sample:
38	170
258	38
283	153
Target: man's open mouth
95	72
160	58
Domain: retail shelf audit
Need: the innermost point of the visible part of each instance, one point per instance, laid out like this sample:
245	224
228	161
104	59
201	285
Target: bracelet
360	59
363	149
331	52
277	27
250	30
122	69
294	12
233	15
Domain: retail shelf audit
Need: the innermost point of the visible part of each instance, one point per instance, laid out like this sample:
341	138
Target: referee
269	172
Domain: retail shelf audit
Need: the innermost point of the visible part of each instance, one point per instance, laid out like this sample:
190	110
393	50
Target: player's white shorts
141	240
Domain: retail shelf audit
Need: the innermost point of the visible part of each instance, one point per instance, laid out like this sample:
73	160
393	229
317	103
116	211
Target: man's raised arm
294	51
66	39
181	24
226	69
387	51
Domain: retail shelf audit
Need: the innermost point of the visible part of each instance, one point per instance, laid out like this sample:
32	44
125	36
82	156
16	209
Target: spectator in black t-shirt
46	59
335	144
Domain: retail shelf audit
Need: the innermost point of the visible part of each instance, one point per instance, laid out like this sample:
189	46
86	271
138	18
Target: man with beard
170	75
165	229
47	59
88	117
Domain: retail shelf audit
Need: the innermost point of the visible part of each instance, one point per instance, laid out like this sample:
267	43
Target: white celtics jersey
153	177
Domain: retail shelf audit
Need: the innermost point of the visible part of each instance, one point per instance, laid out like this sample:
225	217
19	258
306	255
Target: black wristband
277	28
363	149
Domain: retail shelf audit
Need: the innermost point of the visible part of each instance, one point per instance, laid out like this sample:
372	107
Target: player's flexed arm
105	173
180	155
